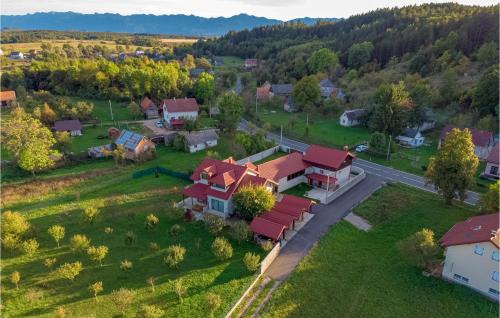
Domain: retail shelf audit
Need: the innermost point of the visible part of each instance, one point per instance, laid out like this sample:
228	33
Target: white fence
259	156
347	186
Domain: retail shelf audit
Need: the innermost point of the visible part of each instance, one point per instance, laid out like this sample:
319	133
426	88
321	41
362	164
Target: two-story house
472	254
483	140
215	182
176	110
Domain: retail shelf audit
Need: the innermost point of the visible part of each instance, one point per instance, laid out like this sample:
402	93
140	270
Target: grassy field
299	190
326	130
230	62
351	273
25	47
124	204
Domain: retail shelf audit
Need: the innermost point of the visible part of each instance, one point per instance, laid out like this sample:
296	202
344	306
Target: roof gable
129	140
65	125
494	155
180	105
282	166
480	138
327	157
477	229
147	103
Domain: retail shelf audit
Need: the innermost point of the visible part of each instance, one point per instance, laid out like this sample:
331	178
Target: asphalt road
325	216
386	173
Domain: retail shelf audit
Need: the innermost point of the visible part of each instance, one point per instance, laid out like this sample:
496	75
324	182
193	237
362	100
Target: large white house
472	254
352	117
216	181
176	110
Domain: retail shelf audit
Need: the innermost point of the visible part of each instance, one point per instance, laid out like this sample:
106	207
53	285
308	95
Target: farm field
351	273
124	203
25	47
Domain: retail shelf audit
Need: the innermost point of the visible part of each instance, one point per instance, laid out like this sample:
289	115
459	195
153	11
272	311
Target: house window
495	276
217	205
494	170
479	250
204	176
495	256
461	278
493	292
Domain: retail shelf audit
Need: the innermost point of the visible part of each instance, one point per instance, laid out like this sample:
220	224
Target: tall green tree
251	201
230	111
489	201
392	106
29	141
306	93
485	97
359	54
487	54
453	169
322	60
204	88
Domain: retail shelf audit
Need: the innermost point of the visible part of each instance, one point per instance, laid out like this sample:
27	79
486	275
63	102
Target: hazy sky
278	9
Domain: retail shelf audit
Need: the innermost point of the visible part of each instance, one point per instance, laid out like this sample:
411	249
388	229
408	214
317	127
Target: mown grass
124	204
299	190
351	273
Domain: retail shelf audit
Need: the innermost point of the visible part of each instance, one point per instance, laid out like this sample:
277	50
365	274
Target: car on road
159	124
361	148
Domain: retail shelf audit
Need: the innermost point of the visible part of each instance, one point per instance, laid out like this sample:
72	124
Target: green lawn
299	190
326	130
124	203
230	62
275	155
102	111
351	273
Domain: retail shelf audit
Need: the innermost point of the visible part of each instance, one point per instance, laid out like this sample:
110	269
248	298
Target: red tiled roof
65	125
494	155
292	200
282	166
328	157
251	62
294	211
480	138
255	180
263	93
476	229
250	165
197	190
177	122
146	103
280	218
6	96
224	179
321	177
181	105
267	228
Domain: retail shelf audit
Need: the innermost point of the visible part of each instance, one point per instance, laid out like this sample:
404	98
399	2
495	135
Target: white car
159	124
361	148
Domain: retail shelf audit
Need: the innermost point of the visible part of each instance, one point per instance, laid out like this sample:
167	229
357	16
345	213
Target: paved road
387	173
325	217
238	87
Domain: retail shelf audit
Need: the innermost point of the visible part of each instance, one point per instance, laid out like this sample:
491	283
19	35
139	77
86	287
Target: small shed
149	109
73	126
267	228
411	138
7	98
199	140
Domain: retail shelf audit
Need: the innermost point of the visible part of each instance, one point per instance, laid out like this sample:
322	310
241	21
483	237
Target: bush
30	247
175	230
97	254
108	230
239	231
151	221
79	242
252	261
90	214
13	227
95	289
212	302
57	232
49	262
130	238
151	311
175	255
122	299
222	249
10	241
126	265
154	247
213	224
70	270
180	289
267	246
419	250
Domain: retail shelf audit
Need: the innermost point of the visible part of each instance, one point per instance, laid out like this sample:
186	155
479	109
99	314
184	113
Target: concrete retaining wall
347	186
258	156
268	260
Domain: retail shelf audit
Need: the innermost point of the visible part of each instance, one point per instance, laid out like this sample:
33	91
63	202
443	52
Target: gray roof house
196	72
326	88
282	90
199	140
290	105
73	126
411	138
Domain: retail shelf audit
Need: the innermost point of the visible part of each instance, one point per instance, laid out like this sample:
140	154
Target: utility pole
281	135
389	147
111	110
256	102
307	119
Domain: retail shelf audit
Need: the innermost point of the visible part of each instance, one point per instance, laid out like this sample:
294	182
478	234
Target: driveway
325	216
151	125
386	173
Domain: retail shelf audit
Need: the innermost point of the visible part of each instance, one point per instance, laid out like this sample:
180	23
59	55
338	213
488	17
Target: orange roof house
7	98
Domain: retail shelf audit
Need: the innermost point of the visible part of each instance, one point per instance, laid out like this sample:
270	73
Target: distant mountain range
176	24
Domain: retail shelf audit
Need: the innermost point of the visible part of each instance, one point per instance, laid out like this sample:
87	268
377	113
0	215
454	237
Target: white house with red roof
483	140
175	110
492	161
320	167
472	254
215	182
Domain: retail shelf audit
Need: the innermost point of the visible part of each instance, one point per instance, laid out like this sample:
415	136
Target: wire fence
160	170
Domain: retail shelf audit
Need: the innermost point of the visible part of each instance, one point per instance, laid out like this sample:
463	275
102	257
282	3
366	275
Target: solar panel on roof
129	139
